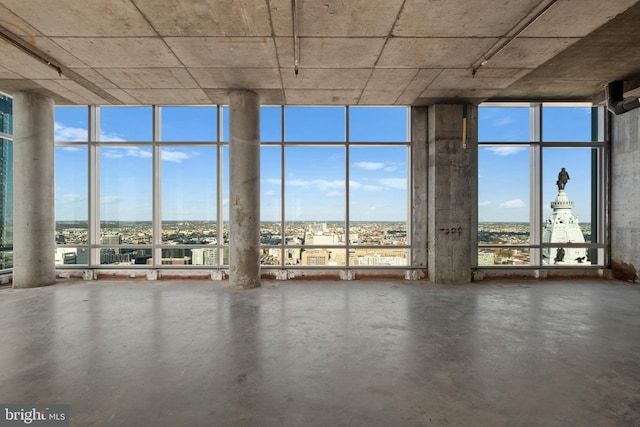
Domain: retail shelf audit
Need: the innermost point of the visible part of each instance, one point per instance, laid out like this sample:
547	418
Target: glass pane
503	124
125	124
203	256
324	257
503	256
72	255
378	257
189	195
225	124
567	202
6	259
225	195
503	195
378	195
270	256
271	124
190	124
6	199
126	256
315	195
378	124
566	124
270	183
6	115
319	124
72	197
270	195
71	124
125	193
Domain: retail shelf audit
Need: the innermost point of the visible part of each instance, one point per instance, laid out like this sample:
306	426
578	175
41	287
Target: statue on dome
563	177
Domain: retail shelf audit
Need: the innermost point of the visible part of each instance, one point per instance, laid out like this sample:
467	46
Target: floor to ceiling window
6	182
540	184
150	185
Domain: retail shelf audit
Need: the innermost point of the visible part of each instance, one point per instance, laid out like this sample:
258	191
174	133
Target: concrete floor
360	353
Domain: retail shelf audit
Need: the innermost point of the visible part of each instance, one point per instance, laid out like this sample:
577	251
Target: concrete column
452	194
244	189
419	156
33	191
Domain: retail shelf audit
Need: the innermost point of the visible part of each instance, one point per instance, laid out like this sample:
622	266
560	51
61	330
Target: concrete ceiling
368	52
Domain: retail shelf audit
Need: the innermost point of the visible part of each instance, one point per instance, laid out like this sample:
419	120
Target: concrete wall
625	195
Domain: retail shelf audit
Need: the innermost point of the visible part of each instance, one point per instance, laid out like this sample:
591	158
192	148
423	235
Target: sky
314	170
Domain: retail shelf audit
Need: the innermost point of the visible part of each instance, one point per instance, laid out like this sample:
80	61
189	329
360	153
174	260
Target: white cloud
111	137
118	153
505	150
512	204
373	188
485	203
299	183
335	193
177	156
110	199
71	198
371	166
269	193
275	181
326	185
70	149
68	133
503	121
354	185
398	183
390	169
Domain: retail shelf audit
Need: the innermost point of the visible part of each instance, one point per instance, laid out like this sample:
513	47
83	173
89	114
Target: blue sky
314	172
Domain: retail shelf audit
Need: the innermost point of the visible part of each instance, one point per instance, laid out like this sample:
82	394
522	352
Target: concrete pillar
33	191
419	170
244	189
453	193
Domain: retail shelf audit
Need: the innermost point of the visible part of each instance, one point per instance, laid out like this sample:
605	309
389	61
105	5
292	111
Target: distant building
6	173
563	227
204	256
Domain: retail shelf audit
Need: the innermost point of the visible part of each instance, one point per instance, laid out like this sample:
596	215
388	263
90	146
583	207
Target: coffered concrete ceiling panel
529	52
267	96
460	18
326	78
433	52
136	52
149	78
247	78
172	97
336	18
82	18
224	52
207	17
322	97
377	97
331	52
385	78
576	18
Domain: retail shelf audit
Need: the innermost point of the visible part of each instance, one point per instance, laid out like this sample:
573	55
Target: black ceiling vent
615	101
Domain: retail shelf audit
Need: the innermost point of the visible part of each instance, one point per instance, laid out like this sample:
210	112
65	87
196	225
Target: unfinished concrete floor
360	353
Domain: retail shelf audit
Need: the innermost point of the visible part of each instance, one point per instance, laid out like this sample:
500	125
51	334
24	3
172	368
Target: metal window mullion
347	187
94	186
282	188
156	216
220	187
535	177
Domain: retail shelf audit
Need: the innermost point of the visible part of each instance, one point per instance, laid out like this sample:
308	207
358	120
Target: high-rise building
6	177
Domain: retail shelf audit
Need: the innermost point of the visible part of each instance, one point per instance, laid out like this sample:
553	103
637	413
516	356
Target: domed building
561	226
